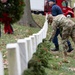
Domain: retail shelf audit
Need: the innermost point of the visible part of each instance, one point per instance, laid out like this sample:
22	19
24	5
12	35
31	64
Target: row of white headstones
21	52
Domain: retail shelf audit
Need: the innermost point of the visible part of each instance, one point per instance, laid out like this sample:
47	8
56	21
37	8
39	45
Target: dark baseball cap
52	0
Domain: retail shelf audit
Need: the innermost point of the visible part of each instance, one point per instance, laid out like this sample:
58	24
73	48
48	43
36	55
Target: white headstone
1	65
14	64
74	4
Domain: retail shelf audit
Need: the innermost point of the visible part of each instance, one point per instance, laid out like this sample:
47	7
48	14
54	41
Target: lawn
57	65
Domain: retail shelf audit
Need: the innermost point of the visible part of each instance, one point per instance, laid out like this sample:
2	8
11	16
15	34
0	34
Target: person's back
56	10
63	21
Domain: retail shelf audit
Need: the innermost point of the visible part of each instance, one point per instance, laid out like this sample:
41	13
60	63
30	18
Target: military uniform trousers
66	32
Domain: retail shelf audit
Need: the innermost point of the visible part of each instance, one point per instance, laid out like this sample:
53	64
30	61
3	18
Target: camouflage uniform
67	28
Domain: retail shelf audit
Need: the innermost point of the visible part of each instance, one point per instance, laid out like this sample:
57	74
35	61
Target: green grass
19	33
57	65
5	71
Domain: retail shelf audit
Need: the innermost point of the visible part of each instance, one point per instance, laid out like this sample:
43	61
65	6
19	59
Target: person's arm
54	27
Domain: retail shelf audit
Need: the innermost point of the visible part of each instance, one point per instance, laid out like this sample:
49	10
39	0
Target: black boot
70	49
56	48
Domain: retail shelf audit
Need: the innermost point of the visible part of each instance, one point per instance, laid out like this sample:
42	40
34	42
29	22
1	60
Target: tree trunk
27	18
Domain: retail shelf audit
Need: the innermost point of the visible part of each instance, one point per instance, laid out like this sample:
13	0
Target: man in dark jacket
56	10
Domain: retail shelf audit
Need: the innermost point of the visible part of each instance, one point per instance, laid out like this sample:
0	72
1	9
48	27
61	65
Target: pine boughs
36	66
14	8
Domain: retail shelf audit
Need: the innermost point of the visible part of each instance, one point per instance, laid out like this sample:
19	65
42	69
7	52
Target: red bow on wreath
6	20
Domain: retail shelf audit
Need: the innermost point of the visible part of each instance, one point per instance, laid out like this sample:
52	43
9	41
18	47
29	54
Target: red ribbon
6	20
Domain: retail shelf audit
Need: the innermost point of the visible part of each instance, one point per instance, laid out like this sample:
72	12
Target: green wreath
14	8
